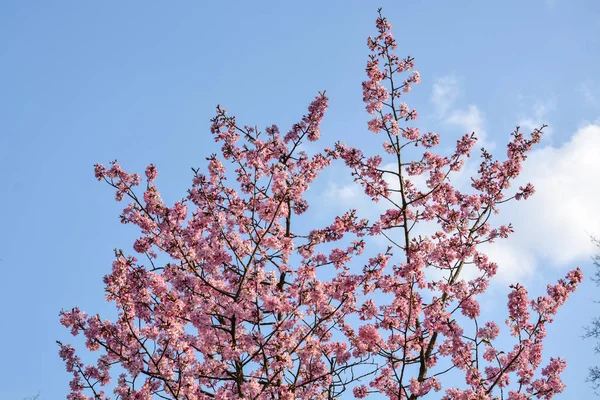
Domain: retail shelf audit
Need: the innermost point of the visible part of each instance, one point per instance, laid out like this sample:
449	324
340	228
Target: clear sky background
87	82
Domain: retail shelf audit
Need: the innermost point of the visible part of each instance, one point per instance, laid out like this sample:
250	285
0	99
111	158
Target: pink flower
151	172
242	293
369	337
360	392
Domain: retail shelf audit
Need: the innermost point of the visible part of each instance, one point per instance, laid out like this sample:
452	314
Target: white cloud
446	92
514	263
344	193
539	115
470	119
555	224
590	92
552	227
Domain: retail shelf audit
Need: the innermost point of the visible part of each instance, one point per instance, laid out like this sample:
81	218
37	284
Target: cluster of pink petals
230	299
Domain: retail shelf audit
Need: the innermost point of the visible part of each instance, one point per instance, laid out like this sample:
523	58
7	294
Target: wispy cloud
446	91
344	194
590	92
445	95
538	115
470	119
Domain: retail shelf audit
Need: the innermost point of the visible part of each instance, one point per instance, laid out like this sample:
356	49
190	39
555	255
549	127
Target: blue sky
86	82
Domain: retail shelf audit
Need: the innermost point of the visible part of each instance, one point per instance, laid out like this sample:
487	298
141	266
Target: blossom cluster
228	299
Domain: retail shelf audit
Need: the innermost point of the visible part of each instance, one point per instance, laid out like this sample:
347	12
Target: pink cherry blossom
239	293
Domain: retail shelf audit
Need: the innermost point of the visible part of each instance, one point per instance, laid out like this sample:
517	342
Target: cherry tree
229	299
